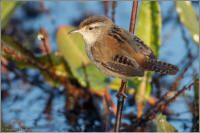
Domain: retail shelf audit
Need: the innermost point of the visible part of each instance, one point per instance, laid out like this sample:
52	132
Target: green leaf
149	24
7	9
163	125
22	57
12	44
115	84
72	47
148	29
189	18
96	79
58	65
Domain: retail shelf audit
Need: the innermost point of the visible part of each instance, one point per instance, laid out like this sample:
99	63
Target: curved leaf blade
7	9
148	29
163	125
149	24
188	17
71	47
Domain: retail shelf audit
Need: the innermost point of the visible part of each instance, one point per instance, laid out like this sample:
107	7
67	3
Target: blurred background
49	84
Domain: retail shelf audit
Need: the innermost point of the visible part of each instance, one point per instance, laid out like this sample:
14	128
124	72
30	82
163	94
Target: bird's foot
121	94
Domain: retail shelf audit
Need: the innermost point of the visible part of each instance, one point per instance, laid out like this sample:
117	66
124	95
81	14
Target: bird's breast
88	49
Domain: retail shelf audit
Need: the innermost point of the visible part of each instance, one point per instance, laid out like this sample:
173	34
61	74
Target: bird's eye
91	28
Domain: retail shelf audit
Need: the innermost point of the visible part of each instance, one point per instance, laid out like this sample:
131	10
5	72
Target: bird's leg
122	90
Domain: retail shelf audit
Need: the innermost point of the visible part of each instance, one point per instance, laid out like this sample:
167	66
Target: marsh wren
117	52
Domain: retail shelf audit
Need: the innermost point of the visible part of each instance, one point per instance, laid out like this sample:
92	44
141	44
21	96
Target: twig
4	69
189	55
45	10
147	117
195	106
121	94
133	17
32	60
107	114
106	4
45	46
120	104
48	107
108	98
114	4
163	106
22	126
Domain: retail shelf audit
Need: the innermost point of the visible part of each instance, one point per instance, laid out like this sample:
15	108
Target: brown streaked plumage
117	52
92	20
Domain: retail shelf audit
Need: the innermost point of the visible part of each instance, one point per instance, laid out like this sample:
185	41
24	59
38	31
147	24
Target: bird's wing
117	57
119	41
125	69
136	43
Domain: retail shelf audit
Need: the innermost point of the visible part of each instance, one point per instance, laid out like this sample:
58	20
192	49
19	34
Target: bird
118	53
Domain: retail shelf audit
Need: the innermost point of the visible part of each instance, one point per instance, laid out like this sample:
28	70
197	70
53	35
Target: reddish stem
133	16
121	93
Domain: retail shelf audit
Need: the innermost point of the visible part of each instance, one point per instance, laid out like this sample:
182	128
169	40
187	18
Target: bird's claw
121	94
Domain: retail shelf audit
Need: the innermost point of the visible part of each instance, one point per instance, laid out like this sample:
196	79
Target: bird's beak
73	31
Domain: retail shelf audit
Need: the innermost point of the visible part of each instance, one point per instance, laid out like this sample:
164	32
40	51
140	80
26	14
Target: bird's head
93	28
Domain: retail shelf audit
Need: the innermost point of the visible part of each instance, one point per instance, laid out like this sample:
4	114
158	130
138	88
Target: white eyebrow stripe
98	24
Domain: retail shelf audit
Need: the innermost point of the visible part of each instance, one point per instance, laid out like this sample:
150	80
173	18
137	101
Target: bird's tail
161	67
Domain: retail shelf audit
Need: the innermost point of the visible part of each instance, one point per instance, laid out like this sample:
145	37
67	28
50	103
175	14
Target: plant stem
121	95
133	17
